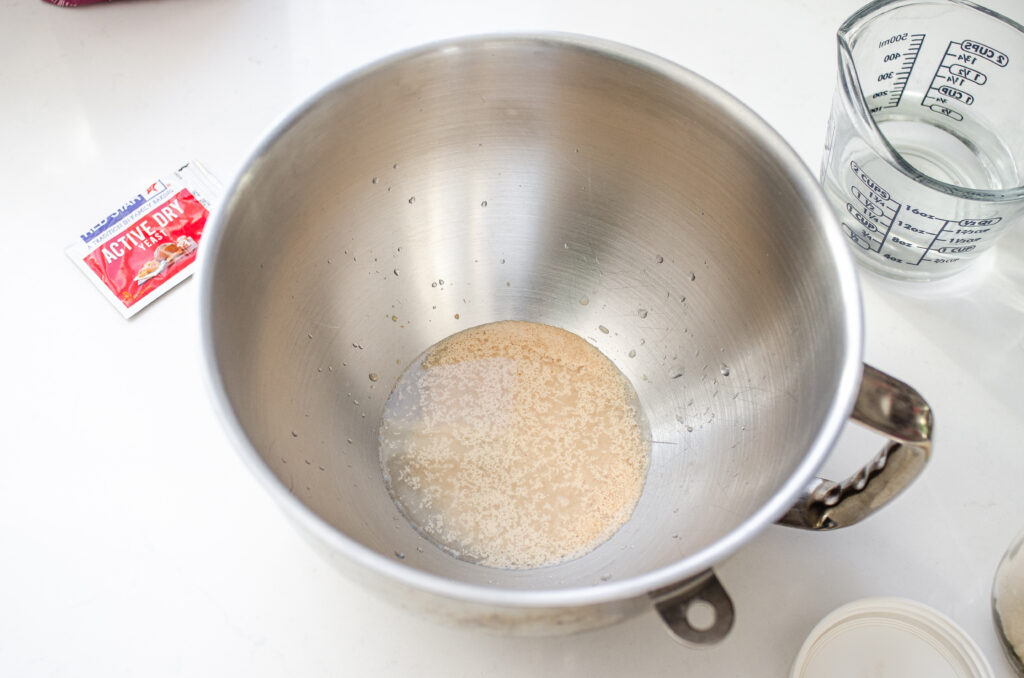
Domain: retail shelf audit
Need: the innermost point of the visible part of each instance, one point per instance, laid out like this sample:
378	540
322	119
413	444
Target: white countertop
134	542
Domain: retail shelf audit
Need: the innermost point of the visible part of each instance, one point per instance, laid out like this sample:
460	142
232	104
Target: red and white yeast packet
148	244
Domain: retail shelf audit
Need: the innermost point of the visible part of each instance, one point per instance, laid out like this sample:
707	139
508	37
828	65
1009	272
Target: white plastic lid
889	638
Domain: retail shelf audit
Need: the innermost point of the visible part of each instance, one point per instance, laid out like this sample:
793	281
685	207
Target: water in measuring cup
981	163
893	225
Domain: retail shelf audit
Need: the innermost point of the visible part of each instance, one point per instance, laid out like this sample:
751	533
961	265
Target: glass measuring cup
924	155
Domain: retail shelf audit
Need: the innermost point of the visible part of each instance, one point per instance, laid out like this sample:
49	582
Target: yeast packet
148	244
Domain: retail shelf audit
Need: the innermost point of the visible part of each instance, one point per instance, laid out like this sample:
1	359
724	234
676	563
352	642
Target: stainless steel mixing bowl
568	181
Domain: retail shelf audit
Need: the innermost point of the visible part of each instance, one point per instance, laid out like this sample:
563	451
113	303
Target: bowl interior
543	180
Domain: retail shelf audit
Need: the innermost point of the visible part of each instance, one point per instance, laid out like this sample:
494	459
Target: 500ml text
899	37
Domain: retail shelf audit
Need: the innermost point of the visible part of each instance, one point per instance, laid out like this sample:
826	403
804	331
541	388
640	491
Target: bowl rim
576	595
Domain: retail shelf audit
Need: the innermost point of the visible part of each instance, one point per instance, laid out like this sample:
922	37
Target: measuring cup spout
849	96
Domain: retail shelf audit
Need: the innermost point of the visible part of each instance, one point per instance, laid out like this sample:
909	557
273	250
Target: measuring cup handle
894	409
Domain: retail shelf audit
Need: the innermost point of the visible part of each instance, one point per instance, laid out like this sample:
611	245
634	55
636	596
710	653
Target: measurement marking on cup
960	70
909	58
898	231
876	212
872	208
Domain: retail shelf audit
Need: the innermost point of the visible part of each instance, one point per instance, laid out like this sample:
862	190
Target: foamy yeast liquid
514	445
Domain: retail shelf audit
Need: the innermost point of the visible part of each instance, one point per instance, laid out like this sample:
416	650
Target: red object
73	3
147	244
152	250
